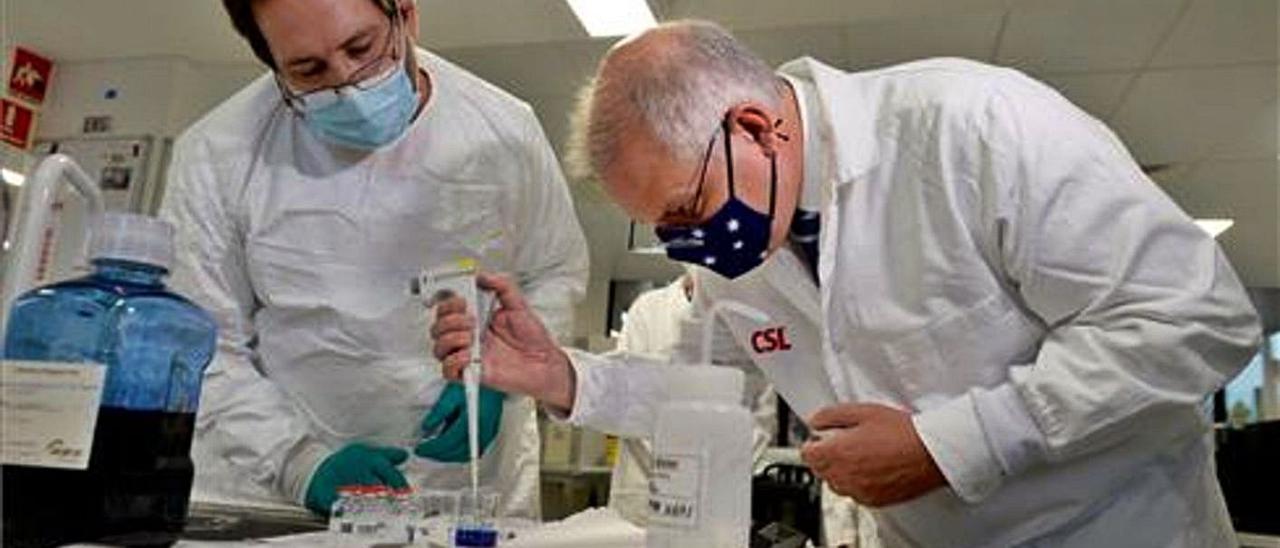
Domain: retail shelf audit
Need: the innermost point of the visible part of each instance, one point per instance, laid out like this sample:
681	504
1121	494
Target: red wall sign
17	123
29	77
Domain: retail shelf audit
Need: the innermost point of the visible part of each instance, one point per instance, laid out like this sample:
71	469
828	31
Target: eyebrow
365	33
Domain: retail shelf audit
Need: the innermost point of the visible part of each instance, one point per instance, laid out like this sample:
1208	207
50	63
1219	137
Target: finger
504	288
452	305
449	446
452	343
451	323
393	455
441	411
453	368
844	415
814	454
389	475
365	476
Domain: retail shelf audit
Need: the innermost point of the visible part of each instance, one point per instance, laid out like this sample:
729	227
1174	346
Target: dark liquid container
134	493
155	346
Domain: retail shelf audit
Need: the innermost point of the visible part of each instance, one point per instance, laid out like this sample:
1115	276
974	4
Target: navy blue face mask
735	239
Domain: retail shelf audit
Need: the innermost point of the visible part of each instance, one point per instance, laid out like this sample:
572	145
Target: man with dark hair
304	205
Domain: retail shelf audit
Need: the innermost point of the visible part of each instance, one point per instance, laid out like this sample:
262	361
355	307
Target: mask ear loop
728	156
773	167
773	185
773	171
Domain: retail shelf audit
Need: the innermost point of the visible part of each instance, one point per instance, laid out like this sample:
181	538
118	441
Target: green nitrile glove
445	426
355	464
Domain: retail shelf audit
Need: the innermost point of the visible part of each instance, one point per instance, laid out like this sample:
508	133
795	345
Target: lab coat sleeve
638	337
551	261
242	414
1145	317
617	393
620	392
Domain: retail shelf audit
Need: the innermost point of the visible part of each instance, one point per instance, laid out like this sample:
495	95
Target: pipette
471	383
460	280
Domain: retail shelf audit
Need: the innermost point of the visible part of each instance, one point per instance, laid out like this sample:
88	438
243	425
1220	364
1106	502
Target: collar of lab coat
815	141
847	113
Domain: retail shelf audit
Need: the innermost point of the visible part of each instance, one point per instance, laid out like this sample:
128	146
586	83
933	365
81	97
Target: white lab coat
304	253
652	328
994	261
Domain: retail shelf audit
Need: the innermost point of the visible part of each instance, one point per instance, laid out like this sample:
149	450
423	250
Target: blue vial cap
475	536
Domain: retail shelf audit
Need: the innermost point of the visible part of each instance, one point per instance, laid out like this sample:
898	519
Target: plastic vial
473	521
700	488
342	514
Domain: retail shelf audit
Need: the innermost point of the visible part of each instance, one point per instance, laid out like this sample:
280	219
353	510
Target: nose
344	69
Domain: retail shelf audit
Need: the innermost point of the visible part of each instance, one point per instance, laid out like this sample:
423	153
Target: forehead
305	24
646	181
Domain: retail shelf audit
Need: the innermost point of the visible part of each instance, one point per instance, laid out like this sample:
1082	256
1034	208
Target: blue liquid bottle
155	345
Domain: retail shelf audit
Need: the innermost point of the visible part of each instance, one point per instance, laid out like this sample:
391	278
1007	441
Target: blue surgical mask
734	240
365	118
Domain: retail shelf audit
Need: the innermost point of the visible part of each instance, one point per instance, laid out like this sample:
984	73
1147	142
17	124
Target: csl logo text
769	340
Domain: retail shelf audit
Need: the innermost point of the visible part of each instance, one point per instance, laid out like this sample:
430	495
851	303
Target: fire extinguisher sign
17	123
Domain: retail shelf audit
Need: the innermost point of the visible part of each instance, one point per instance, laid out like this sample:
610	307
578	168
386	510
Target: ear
409	14
758	122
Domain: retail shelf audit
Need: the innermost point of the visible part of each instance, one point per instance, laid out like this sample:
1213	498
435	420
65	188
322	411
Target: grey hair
680	92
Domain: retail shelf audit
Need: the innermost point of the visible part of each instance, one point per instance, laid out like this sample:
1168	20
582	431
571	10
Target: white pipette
471	383
460	280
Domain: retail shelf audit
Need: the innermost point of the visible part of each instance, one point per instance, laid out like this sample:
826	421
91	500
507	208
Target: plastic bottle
700	488
155	346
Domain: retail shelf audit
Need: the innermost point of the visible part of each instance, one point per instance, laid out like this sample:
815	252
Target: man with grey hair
1001	330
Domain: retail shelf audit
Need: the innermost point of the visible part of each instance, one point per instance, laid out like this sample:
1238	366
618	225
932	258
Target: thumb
845	415
504	288
395	455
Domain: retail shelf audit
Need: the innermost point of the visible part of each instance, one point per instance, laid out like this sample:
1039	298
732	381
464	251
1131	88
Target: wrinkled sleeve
551	261
243	416
637	337
1145	316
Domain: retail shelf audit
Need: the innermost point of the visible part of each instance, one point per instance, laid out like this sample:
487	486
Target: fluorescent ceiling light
1215	226
12	177
613	17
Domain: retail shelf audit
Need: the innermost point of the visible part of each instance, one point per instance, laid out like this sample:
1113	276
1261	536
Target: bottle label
48	411
674	488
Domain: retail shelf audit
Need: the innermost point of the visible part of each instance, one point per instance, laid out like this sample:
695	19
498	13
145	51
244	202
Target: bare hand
520	356
872	453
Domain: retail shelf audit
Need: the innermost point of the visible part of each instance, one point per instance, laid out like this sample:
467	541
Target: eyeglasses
690	212
373	72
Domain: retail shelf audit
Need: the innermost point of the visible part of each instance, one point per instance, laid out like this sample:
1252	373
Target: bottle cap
135	238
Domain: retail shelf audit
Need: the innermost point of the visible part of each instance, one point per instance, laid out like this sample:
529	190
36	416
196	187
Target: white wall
153	96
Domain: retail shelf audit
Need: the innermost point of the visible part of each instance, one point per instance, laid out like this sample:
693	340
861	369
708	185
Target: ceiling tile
1085	35
779	45
1187	114
733	13
1096	93
551	68
888	41
1249	193
1222	31
451	23
1256	138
